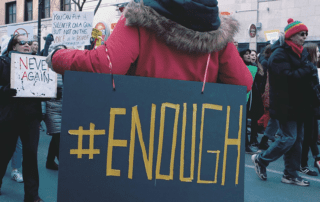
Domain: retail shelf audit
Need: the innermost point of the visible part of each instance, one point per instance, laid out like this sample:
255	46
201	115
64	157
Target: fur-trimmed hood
174	34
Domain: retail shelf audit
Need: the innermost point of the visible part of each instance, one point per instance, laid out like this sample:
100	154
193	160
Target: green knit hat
294	27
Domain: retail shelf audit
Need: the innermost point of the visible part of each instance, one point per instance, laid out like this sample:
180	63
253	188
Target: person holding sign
19	117
194	44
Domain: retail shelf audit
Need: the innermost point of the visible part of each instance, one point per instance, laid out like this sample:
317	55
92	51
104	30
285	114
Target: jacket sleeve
120	50
280	65
232	69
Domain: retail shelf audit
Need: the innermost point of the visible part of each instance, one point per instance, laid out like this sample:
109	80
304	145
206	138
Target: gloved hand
7	91
312	67
49	57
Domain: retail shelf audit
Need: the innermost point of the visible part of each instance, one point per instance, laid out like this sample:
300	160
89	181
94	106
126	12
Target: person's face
235	43
25	48
253	56
34	47
247	57
299	38
318	54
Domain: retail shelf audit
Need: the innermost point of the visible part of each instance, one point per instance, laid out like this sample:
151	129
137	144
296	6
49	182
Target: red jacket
162	53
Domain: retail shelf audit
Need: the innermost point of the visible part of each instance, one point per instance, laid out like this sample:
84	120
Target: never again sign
150	140
32	77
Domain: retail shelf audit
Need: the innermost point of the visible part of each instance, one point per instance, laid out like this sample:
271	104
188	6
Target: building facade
266	15
25	13
270	15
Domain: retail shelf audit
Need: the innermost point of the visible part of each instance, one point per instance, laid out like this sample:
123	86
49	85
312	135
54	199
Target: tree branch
77	3
84	1
98	5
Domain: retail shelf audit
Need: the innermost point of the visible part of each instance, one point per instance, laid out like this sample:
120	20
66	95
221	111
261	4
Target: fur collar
174	34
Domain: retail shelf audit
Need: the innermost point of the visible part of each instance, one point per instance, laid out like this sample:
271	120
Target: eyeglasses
304	33
25	42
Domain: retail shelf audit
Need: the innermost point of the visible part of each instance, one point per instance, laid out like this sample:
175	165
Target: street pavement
256	190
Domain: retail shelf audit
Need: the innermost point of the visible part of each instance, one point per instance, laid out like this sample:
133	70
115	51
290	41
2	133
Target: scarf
296	48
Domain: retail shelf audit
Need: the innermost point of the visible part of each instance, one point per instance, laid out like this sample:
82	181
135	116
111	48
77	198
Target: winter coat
12	108
54	111
290	88
161	48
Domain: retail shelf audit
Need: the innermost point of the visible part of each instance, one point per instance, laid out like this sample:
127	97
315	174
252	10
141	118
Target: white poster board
72	28
20	29
272	35
31	76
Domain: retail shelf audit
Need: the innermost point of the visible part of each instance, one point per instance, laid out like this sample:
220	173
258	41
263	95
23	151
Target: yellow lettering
193	144
174	140
228	142
114	142
135	123
205	106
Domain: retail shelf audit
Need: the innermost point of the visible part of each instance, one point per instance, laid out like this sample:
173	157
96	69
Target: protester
4	45
19	117
270	125
53	121
49	39
311	125
236	44
253	98
245	55
34	47
290	94
253	56
165	45
16	160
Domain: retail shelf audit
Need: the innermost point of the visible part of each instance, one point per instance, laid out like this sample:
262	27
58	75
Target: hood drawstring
205	74
110	68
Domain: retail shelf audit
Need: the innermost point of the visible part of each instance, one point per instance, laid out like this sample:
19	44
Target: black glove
312	67
7	91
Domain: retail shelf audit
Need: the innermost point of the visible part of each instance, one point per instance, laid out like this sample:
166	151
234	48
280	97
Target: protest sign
72	28
150	140
32	77
272	35
20	29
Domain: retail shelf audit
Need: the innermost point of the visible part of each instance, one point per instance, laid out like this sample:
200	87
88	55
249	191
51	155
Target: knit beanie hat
198	15
294	27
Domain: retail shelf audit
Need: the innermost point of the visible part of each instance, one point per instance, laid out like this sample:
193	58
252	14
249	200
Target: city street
255	189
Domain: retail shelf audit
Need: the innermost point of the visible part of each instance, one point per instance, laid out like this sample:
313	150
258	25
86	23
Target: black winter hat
198	15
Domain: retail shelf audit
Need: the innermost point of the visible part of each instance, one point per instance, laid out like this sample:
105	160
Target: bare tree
80	4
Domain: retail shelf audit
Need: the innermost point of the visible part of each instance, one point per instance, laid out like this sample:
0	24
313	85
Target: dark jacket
290	88
12	108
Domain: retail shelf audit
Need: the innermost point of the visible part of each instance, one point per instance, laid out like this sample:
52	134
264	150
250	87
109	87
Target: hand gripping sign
150	140
31	76
97	36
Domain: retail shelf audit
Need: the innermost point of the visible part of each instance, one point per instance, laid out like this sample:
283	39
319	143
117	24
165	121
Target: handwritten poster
21	29
72	28
32	77
157	140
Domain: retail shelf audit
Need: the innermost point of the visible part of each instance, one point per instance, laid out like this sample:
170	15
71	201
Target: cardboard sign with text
32	77
150	140
72	28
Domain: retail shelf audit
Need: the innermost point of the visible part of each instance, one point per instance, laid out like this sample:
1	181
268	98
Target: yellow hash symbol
92	132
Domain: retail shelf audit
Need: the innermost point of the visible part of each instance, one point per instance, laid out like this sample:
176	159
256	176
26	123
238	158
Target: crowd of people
283	104
283	93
